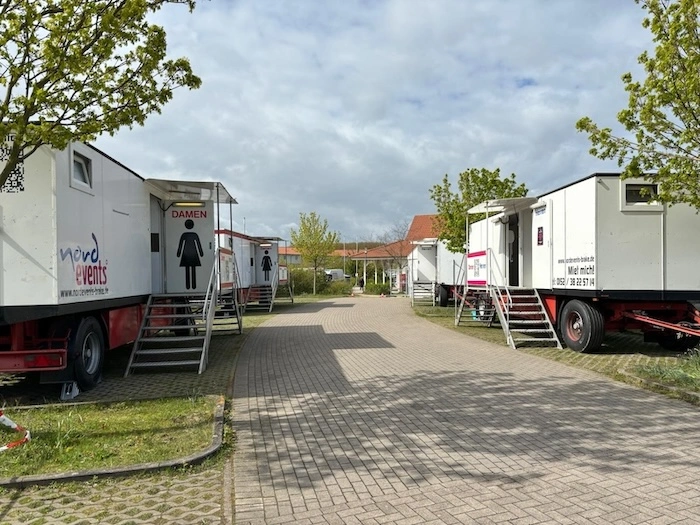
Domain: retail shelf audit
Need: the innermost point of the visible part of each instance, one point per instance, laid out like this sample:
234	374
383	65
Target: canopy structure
512	205
192	190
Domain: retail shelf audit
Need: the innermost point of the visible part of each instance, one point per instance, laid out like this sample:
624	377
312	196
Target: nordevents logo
86	263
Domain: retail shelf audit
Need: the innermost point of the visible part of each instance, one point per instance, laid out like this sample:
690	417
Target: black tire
86	351
443	296
582	326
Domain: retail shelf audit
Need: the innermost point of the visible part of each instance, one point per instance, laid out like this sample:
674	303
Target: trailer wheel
443	295
86	349
582	326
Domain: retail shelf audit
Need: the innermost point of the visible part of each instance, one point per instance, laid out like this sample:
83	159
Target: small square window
639	196
641	193
82	170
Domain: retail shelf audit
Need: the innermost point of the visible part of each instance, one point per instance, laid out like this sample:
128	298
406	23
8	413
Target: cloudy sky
355	108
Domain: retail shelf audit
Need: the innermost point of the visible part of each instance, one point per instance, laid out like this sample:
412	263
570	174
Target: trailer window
639	196
641	193
82	170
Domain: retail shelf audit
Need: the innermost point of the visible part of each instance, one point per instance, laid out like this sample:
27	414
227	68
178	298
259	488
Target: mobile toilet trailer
592	256
86	245
436	273
256	272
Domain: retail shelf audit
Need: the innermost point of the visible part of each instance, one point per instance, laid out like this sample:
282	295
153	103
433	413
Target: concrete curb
66	477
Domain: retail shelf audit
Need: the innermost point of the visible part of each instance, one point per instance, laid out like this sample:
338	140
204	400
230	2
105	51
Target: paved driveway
356	411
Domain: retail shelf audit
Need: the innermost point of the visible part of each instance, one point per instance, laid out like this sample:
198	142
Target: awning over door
174	190
507	206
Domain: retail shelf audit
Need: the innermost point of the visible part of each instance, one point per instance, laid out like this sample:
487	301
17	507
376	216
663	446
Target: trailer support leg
69	391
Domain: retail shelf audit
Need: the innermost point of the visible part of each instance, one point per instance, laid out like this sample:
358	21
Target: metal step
174	316
524	304
534	339
174	337
528	321
152	364
168	351
530	330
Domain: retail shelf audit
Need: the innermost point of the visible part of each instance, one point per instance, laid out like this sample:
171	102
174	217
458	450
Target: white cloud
355	109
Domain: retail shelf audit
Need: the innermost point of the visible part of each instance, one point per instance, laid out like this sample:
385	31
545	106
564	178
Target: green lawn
624	356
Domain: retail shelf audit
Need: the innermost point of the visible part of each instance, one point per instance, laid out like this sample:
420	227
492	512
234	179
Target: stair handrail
235	286
498	278
213	283
209	310
461	273
273	285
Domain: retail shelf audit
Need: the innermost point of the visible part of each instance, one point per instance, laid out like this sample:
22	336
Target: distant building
288	255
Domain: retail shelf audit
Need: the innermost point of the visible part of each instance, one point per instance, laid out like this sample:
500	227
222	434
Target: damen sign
189	246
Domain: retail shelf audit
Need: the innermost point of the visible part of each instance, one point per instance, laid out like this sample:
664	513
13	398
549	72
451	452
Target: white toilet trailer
506	235
84	242
431	262
256	258
601	254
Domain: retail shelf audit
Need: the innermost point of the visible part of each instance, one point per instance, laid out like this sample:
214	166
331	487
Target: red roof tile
393	250
423	227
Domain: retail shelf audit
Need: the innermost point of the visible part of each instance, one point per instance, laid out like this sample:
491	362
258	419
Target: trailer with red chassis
599	254
84	242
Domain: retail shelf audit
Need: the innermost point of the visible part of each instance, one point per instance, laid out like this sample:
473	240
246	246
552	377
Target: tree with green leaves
73	69
474	186
663	114
314	241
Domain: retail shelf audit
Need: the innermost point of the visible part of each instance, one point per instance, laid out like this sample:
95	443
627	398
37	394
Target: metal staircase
259	297
475	307
176	329
423	293
263	296
519	311
523	318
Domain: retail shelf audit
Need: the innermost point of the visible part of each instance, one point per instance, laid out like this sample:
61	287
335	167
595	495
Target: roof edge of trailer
127	168
596	174
224	195
499	205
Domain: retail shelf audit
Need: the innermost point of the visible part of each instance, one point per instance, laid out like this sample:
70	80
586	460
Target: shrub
338	288
303	281
377	289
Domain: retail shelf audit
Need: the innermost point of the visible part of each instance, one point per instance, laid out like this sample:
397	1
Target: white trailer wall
103	229
630	244
479	239
448	264
423	259
28	254
646	246
242	249
682	248
563	238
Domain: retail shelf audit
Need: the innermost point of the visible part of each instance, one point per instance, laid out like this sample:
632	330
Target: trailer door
513	251
542	246
189	246
157	261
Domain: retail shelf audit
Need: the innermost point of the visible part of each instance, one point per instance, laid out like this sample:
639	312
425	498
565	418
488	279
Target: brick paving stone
356	411
359	399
